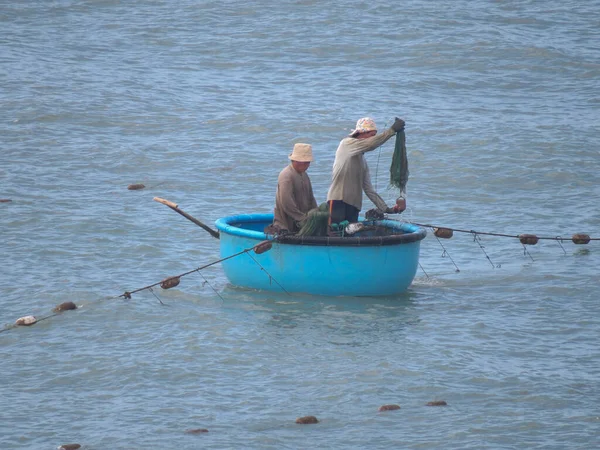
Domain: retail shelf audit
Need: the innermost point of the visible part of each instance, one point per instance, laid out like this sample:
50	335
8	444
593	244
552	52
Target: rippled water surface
202	102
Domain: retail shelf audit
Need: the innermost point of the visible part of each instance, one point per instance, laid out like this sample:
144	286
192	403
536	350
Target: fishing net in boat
316	222
374	214
399	168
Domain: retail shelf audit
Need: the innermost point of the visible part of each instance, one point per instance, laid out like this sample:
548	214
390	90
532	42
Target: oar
174	207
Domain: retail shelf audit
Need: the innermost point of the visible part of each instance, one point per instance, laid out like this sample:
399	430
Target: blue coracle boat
381	259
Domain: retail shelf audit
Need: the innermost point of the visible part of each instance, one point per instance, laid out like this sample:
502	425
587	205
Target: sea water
202	102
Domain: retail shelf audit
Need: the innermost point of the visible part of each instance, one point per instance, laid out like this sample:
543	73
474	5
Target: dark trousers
340	211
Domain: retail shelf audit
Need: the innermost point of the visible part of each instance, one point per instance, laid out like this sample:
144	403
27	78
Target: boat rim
409	233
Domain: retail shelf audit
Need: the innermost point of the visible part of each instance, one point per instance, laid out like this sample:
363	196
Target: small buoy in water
169	283
26	321
263	247
306	420
444	233
5	200
581	238
136	187
69	447
66	306
389	408
197	431
437	403
528	239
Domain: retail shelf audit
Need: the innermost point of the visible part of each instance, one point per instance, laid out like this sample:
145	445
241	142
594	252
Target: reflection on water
354	321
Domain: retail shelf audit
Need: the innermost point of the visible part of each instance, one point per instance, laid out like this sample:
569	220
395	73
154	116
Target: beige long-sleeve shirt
293	200
351	172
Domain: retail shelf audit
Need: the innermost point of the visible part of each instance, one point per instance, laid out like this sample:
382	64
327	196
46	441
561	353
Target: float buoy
307	420
437	403
443	233
26	321
66	306
263	247
581	238
169	283
528	239
389	408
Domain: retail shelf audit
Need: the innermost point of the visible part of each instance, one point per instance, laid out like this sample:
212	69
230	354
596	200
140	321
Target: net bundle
399	168
316	222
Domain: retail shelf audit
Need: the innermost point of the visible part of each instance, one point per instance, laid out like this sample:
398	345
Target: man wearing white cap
294	191
351	172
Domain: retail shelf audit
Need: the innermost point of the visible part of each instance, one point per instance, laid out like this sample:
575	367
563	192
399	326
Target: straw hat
302	153
364	125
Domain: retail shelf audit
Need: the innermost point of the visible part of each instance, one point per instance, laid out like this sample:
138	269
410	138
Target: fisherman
294	198
351	173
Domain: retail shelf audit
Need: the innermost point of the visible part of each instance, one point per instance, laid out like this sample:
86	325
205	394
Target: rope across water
166	283
438	231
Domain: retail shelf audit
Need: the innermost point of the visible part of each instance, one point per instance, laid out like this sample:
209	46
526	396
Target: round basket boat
380	260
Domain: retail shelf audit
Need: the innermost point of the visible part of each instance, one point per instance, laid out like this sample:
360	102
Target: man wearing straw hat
294	191
351	172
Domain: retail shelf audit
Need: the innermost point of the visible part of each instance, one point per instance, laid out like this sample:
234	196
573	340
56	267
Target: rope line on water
421	267
156	296
438	231
518	236
477	239
524	239
270	276
166	283
444	254
211	286
127	294
561	246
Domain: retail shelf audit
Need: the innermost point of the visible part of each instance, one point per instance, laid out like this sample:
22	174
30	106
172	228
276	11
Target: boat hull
320	266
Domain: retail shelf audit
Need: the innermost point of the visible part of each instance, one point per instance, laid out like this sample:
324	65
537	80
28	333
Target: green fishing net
316	222
399	167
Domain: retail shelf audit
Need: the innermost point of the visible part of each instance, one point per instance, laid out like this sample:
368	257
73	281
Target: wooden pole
174	207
